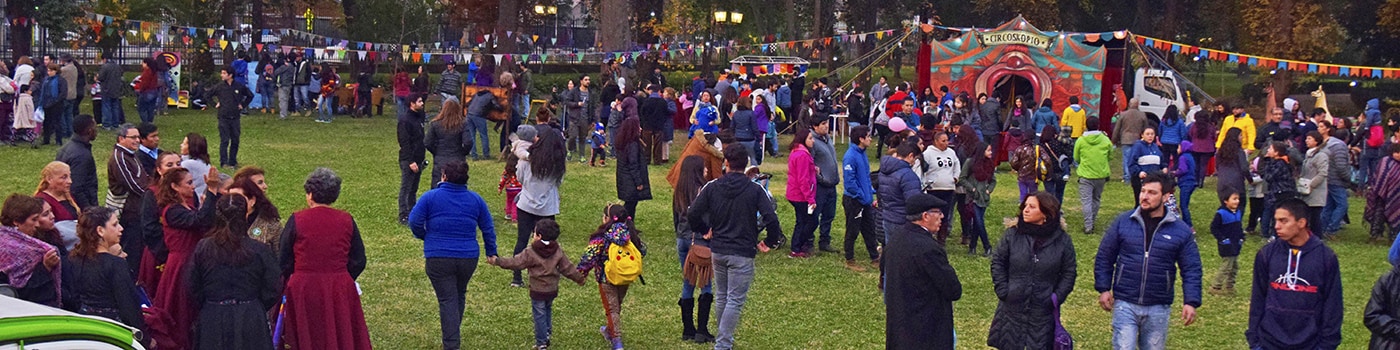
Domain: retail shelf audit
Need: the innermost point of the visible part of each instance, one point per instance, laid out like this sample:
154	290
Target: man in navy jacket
1136	285
1296	302
858	198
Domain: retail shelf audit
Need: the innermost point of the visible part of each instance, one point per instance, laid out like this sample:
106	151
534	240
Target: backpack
1376	137
624	264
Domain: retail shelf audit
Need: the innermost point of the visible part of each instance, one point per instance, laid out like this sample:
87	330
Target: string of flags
1268	62
337	48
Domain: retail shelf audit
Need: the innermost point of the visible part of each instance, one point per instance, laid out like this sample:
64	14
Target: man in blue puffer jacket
1137	287
898	182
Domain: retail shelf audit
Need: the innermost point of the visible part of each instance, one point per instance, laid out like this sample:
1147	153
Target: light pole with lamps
550	10
721	17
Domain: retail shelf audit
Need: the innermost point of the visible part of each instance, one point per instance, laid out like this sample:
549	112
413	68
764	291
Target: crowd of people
219	265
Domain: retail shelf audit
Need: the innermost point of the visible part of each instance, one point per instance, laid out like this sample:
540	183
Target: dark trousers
524	228
133	246
826	212
1315	220
112	114
860	221
1256	212
1202	159
804	227
408	188
598	154
1056	188
449	277
654	145
947	224
51	125
1184	202
979	229
631	207
1169	155
230	129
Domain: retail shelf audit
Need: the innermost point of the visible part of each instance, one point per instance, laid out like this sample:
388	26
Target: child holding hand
546	262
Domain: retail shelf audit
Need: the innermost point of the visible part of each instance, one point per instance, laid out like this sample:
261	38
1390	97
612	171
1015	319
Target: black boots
687	319
702	332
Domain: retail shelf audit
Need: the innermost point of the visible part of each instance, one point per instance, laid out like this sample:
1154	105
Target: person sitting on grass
546	262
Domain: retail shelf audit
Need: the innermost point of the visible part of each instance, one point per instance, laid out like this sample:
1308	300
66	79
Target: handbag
697	267
1063	341
1304	186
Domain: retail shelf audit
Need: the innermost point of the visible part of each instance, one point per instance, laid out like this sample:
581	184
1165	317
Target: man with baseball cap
451	83
920	285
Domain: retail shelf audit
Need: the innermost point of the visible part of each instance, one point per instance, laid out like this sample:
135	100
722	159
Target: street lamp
550	10
721	17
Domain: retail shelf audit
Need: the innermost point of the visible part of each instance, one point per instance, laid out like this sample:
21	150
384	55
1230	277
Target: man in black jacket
113	89
653	112
411	156
78	155
920	285
725	207
230	123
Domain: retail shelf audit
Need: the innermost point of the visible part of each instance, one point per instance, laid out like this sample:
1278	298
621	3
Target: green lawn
808	304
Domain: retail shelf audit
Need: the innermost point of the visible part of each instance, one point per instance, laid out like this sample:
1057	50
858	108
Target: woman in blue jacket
1044	117
447	219
1144	158
1173	130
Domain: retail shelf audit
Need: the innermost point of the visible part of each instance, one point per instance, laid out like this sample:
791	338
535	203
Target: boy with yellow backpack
614	254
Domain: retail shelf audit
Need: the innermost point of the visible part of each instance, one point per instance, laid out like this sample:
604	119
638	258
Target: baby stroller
773	240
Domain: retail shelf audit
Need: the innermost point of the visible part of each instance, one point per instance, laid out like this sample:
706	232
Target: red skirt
173	296
148	276
323	312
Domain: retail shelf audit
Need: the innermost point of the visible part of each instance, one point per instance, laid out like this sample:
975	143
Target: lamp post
550	10
721	17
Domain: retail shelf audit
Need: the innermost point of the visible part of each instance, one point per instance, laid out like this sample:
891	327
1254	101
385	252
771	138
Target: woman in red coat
185	222
153	231
322	254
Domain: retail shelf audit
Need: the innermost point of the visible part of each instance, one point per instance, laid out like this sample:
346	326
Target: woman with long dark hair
185	220
194	151
444	137
633	184
1171	132
801	192
234	280
1057	172
1232	168
96	279
1033	272
693	175
151	230
541	172
1202	134
978	180
264	220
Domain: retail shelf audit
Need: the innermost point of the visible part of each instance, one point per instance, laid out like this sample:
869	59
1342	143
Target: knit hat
526	132
919	203
597	126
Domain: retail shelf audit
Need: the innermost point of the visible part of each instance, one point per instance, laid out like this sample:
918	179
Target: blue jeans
979	229
65	124
688	289
1056	188
771	144
522	104
1335	210
1123	151
478	127
543	313
326	109
733	276
755	149
111	112
1141	327
146	106
401	107
1184	201
826	212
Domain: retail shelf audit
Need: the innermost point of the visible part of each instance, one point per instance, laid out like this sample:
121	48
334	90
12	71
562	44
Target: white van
1156	89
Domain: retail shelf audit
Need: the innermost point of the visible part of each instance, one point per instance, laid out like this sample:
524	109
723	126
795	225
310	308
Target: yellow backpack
624	264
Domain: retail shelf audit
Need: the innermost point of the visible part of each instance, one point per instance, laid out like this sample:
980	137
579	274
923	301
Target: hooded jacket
802	177
941	169
1172	133
1125	264
1074	117
1382	313
1228	229
595	256
897	183
856	171
1373	112
726	207
1144	157
1244	123
1296	302
1092	151
1185	171
546	263
1044	117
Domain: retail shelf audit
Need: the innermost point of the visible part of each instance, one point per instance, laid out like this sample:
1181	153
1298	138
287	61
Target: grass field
795	304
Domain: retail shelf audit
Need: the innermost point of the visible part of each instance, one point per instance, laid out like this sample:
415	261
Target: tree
1290	29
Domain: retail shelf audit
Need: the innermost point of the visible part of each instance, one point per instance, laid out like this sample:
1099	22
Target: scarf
21	256
1040	232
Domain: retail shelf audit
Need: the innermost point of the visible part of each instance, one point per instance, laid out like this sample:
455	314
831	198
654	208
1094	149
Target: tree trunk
1283	31
613	24
791	20
20	35
508	20
259	22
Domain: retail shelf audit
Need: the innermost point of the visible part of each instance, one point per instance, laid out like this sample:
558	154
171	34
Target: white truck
1156	89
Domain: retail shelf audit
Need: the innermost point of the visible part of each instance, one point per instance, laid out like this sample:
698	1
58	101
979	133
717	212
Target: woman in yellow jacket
1238	119
1073	117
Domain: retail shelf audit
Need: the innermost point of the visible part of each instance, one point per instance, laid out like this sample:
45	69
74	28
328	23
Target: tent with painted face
1018	60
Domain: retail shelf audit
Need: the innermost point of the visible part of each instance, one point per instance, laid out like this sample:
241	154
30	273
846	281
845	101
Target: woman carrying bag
1033	270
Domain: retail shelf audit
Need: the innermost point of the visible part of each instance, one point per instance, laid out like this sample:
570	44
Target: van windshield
1160	86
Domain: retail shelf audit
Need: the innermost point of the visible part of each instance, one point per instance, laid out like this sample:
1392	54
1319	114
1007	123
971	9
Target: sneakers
851	265
829	249
616	342
799	255
1222	291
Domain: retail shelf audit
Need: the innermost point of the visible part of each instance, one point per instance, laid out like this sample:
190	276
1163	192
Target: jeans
326	108
229	132
1369	158
1123	151
578	132
524	228
1026	189
770	143
803	228
860	221
284	101
979	229
112	112
688	289
477	127
542	311
400	106
1225	276
1056	188
408	188
65	123
449	277
1090	194
1336	208
1184	202
303	100
522	104
1142	327
755	151
733	275
826	212
146	106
